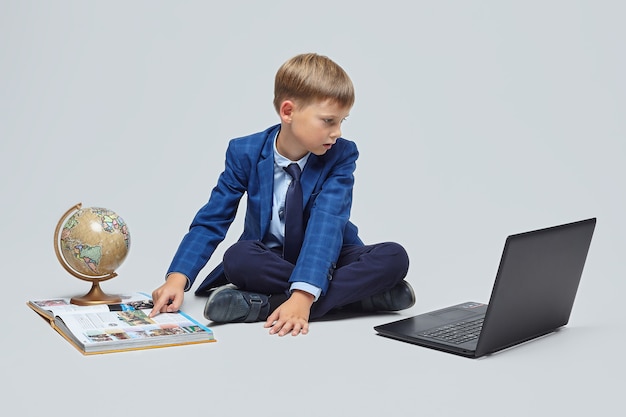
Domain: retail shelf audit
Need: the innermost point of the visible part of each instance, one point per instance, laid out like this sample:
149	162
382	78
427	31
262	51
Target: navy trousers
362	271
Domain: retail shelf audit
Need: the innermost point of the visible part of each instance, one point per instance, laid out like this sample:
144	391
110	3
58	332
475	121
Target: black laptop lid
542	269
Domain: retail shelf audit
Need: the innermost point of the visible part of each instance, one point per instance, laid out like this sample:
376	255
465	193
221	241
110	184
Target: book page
129	324
56	306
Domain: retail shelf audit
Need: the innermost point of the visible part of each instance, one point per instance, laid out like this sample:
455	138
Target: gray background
475	120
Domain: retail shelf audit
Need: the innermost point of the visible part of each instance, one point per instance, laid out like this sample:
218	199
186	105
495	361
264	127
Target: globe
91	243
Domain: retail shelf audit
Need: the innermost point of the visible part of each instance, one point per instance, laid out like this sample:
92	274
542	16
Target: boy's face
312	128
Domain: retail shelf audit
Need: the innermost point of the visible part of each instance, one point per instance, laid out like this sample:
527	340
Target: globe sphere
94	241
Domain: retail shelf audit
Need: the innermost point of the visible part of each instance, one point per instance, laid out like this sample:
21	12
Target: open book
109	328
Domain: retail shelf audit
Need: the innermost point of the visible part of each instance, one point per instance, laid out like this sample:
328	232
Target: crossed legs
362	271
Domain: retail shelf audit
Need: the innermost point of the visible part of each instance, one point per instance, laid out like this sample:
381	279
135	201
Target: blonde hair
308	77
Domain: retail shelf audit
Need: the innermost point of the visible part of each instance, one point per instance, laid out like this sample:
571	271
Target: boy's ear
285	111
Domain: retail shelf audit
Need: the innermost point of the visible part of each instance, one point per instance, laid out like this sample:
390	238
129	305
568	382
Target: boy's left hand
292	315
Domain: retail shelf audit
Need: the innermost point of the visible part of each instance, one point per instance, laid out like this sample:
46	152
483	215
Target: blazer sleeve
329	215
211	223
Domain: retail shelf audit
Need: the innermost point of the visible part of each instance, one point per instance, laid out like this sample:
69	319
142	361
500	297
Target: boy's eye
333	121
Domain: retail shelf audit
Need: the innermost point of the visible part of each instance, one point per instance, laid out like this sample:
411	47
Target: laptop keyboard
461	332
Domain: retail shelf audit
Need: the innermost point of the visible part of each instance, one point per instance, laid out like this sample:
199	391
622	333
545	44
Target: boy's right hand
169	297
292	316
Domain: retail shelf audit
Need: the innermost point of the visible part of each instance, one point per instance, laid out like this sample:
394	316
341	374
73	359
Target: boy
270	275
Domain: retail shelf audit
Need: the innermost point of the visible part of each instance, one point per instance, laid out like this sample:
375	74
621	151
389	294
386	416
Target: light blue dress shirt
276	233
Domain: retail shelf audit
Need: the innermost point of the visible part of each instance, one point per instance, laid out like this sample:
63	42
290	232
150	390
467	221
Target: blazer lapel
310	177
265	172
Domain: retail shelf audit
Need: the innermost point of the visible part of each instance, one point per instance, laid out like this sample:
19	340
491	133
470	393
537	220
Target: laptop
532	296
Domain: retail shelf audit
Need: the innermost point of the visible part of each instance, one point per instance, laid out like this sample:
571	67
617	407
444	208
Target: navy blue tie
294	225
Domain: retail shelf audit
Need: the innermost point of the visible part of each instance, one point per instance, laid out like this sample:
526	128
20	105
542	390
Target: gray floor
474	120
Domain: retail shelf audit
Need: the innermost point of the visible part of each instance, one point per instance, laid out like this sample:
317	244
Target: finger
271	319
162	305
173	305
277	327
287	327
156	308
296	329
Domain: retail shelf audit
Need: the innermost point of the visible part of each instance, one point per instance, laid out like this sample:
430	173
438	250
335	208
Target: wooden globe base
95	296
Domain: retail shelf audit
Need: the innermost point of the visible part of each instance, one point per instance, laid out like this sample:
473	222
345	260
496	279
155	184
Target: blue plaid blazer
327	183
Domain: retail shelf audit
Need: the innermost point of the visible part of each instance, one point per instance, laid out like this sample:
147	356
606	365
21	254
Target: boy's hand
169	297
292	315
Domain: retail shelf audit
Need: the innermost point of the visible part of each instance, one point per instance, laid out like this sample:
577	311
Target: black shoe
399	297
227	304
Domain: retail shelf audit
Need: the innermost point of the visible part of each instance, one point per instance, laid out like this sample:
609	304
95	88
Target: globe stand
95	295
